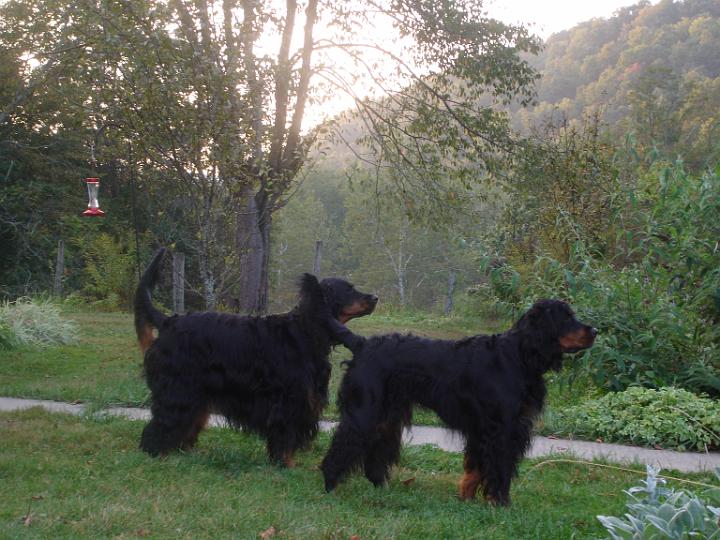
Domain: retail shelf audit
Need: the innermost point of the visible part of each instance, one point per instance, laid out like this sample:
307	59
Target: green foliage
653	68
7	340
34	323
657	512
655	301
109	271
561	188
367	239
668	417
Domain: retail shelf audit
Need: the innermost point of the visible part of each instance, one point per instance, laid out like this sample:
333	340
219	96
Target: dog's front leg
346	337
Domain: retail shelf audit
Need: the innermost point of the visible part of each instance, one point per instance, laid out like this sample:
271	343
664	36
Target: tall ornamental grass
34	323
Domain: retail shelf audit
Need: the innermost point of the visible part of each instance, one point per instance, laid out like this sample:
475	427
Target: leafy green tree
206	100
700	124
654	101
564	188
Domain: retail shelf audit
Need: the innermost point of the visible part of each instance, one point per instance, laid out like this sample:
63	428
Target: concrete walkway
451	442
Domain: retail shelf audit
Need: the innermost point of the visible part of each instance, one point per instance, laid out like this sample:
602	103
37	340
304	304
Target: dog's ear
531	318
539	335
311	293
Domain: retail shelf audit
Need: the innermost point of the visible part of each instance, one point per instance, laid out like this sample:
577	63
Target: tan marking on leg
146	337
199	424
469	484
288	460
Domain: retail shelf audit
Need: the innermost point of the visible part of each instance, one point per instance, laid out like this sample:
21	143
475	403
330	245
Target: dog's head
550	328
344	301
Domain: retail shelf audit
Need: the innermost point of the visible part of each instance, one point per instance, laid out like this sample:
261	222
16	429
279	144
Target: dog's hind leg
172	428
280	448
201	421
472	478
384	450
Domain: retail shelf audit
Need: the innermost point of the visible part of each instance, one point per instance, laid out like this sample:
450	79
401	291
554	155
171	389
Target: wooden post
179	283
318	257
59	269
452	278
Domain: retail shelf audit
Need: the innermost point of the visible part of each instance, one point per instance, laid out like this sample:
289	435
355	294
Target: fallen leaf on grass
37	497
408	481
142	532
355	537
268	533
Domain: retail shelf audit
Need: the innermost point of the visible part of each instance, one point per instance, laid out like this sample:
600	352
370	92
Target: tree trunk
179	283
253	244
208	283
207	237
318	258
59	269
452	278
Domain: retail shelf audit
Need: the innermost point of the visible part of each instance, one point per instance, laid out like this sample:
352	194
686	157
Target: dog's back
236	346
408	370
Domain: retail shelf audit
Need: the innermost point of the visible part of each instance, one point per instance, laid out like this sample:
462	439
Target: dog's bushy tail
148	316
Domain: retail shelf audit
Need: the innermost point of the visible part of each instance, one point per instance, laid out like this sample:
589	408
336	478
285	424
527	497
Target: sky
549	16
541	17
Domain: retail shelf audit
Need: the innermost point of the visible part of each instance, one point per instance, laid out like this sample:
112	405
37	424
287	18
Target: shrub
656	304
34	323
657	512
6	336
669	417
109	279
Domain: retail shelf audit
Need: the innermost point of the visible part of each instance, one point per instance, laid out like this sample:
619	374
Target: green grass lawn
104	367
67	477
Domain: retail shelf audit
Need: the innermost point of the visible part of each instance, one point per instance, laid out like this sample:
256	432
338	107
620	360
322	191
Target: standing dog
268	375
488	388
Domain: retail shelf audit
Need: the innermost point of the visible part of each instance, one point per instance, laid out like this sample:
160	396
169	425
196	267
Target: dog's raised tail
148	316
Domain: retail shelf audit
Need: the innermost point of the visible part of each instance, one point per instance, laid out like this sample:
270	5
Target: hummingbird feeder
93	187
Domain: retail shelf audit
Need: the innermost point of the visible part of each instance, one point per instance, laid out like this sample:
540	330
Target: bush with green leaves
34	323
656	302
656	512
668	417
109	278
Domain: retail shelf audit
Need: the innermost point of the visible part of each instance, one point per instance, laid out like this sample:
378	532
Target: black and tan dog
488	388
268	375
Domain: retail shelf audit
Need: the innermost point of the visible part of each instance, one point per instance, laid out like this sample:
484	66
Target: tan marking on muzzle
358	309
580	339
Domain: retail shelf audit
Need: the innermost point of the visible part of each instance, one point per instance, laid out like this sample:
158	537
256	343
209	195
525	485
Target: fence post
452	278
59	269
178	282
318	257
